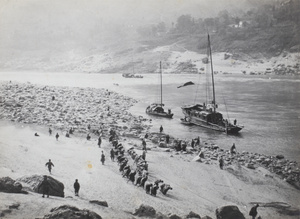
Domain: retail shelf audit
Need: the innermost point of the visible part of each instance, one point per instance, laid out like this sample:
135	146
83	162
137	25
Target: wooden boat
131	75
206	115
157	109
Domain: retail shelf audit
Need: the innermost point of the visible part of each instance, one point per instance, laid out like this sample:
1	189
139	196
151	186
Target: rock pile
67	211
64	107
10	186
287	170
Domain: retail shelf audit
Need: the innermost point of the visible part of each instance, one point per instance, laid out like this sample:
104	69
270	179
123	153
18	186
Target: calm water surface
268	107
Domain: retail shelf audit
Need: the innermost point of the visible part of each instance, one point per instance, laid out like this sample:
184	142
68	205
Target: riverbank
200	187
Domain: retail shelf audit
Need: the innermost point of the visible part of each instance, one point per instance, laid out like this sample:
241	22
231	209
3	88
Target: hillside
254	35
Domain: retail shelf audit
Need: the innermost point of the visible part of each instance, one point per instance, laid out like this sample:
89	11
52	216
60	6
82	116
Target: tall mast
160	84
212	74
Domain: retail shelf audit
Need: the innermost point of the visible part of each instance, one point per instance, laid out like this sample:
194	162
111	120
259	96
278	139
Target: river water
267	106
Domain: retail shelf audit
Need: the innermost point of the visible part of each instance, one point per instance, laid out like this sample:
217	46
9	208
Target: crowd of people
136	172
133	166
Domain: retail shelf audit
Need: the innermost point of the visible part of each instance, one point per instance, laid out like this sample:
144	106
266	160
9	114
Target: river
267	106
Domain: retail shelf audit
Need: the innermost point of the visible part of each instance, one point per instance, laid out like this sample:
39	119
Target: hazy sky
36	24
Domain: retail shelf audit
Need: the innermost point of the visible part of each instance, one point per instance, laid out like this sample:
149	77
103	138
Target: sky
28	25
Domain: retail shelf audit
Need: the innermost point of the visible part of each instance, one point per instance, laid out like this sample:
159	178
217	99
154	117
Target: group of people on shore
137	173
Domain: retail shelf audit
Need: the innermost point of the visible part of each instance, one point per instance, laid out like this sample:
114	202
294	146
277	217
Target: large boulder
145	211
229	212
33	182
9	185
67	211
193	215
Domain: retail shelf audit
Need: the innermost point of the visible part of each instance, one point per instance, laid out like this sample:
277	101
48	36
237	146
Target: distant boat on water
157	109
206	115
131	75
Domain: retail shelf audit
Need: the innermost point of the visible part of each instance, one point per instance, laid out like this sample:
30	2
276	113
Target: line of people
138	175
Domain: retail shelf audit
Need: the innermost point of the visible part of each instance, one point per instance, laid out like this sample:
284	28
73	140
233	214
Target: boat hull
165	115
221	127
230	129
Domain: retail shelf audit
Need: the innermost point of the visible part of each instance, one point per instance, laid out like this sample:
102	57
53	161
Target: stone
9	185
174	216
229	212
145	211
193	215
34	181
102	203
250	165
67	211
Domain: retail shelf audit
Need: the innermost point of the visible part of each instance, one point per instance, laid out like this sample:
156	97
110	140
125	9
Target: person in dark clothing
144	155
164	188
67	135
148	187
50	131
49	164
193	143
198	141
102	158
253	211
154	190
234	122
112	154
167	139
88	137
233	149
57	136
144	145
45	186
161	129
221	163
76	187
146	135
99	141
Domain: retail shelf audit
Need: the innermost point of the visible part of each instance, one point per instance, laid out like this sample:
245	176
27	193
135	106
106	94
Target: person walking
167	139
49	164
144	155
76	187
102	158
112	154
253	211
50	131
99	142
221	163
144	145
57	136
45	186
161	129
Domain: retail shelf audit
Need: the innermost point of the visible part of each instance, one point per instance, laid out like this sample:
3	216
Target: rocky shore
63	108
101	109
96	111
